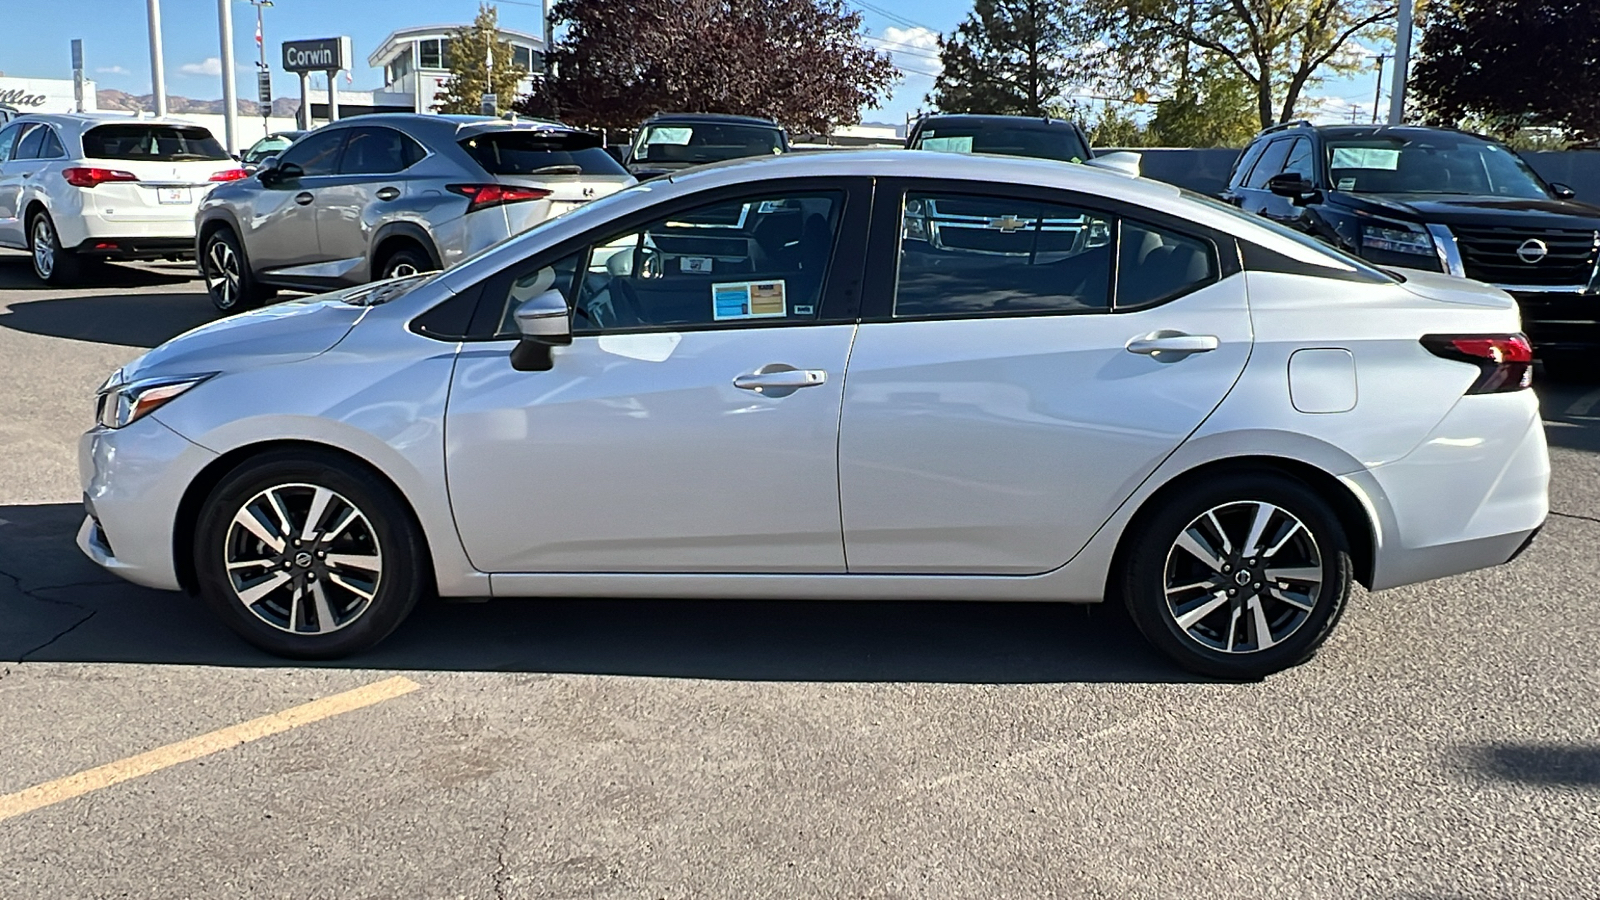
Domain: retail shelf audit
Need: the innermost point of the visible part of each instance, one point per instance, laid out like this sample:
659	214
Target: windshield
1299	237
266	147
694	144
541	153
1060	142
152	142
1437	163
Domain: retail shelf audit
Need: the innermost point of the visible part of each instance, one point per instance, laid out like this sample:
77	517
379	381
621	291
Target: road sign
264	90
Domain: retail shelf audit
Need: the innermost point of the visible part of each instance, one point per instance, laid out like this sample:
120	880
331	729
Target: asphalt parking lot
1445	744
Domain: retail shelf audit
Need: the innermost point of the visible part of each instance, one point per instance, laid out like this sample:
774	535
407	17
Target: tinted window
1271	163
52	148
963	255
1024	138
756	260
317	154
1241	169
31	143
541	153
8	139
152	142
1300	160
378	151
696	143
1429	163
1154	265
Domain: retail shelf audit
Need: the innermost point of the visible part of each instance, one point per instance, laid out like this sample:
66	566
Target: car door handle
388	193
303	198
1171	346
779	380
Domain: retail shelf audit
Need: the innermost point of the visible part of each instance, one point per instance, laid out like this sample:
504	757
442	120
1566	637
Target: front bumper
1557	321
133	481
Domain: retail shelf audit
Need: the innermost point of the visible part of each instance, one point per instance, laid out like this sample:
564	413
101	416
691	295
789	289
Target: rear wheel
403	262
307	556
53	263
229	282
1239	577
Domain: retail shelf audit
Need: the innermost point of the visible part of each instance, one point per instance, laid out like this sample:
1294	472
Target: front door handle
303	198
780	380
1170	346
388	193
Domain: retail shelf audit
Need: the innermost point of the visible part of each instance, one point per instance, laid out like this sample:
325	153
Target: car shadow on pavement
56	606
1571	412
134	320
1536	764
16	274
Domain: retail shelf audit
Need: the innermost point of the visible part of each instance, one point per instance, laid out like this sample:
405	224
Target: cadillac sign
320	55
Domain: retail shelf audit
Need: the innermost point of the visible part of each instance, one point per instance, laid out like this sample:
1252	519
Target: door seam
838	438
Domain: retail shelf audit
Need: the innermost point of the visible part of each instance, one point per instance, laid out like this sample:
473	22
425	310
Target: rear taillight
486	195
230	175
1504	361
80	176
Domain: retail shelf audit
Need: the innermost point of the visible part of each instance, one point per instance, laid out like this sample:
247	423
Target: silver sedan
846	376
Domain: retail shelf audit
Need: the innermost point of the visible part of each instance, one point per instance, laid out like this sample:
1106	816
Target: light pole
230	100
1377	92
158	78
1402	62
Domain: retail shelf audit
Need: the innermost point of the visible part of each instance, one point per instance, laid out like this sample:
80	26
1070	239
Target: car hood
280	333
1449	209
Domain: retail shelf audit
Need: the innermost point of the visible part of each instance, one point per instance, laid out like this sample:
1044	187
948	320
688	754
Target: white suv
75	187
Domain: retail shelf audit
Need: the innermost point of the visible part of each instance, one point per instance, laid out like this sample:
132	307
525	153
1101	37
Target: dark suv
1441	200
668	142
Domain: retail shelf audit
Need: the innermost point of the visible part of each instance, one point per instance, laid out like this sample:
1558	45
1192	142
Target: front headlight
1398	239
120	404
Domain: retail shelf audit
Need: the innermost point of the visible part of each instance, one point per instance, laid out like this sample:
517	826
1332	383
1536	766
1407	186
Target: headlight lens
1398	239
119	405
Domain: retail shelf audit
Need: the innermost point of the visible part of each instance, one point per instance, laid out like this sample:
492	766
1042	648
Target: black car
1037	137
668	142
1441	200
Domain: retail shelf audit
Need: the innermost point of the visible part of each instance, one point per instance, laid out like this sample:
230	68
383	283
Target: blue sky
118	56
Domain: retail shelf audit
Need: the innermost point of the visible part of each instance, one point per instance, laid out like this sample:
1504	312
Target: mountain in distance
110	99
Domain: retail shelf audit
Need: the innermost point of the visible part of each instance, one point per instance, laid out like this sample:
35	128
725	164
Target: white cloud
211	66
1335	110
111	70
915	50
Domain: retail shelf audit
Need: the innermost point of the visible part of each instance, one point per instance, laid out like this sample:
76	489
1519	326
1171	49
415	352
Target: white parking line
1582	405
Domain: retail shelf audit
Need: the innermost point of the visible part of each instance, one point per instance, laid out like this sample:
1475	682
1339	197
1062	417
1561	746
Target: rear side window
1271	164
152	142
378	151
966	255
540	153
1155	265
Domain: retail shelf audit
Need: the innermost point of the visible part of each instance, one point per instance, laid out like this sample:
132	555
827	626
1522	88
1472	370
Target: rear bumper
138	247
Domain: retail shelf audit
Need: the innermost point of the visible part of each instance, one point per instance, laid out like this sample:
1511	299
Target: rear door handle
1170	346
303	198
780	380
388	193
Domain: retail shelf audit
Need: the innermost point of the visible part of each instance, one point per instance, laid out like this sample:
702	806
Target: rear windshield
156	143
536	153
1032	140
705	142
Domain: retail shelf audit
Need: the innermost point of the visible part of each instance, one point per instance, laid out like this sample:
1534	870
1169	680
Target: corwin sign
320	55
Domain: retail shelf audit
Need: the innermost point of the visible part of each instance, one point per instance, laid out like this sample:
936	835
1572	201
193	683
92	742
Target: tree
1116	127
1012	57
1278	47
1512	64
480	63
1212	106
804	63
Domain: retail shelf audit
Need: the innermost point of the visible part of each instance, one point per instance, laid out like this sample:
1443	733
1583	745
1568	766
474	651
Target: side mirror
543	322
280	171
1291	185
1561	191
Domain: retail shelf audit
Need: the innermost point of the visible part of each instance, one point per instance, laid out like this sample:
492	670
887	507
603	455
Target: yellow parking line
52	792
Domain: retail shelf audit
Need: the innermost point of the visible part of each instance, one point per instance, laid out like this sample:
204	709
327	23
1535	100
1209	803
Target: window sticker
748	300
770	206
1365	158
678	136
805	310
959	144
1347	184
700	265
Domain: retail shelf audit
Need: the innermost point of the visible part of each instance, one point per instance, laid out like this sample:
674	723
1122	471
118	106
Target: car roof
991	119
710	118
1361	131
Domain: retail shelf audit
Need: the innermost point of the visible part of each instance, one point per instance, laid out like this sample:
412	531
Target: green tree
1278	48
480	63
1210	107
1014	57
1115	126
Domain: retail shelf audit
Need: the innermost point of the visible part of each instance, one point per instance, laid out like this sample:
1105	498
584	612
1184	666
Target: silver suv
382	196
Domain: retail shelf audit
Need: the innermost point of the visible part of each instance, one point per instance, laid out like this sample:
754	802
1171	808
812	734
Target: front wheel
307	556
1240	576
229	282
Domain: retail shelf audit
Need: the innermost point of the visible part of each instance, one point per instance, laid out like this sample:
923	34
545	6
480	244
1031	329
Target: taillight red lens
1504	361
486	195
230	175
80	176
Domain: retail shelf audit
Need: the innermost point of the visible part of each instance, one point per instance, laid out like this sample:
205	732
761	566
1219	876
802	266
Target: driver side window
317	154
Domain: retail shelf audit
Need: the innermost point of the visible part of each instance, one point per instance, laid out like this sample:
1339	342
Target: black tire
404	261
363	604
52	263
230	284
1155	562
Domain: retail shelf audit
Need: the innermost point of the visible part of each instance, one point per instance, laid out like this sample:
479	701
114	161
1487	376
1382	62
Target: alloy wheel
1243	577
402	270
44	247
303	559
222	273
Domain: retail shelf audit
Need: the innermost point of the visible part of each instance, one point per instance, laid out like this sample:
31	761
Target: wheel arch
395	235
34	207
194	496
1352	513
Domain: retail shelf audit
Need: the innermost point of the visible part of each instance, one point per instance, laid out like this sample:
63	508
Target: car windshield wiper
557	170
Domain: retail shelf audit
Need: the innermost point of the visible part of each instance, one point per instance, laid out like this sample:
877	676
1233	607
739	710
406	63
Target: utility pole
1402	62
230	99
158	78
1377	92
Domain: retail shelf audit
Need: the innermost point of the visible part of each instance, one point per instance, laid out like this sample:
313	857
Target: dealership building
43	95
